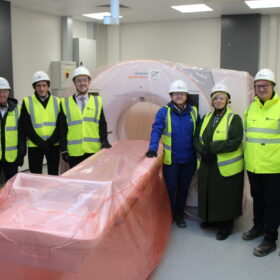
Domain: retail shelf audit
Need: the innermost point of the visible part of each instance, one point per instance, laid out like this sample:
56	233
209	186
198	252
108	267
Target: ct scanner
127	83
143	85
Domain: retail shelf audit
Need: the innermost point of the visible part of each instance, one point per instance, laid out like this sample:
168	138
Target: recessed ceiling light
192	8
98	16
258	4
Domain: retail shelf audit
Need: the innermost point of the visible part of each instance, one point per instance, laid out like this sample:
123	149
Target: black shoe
208	224
253	233
180	221
223	234
267	246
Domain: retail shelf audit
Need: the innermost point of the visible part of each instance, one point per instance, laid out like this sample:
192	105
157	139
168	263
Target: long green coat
219	198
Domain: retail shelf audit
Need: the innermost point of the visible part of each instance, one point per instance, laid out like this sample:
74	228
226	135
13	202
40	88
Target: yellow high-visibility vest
228	163
167	134
262	126
11	135
83	128
43	119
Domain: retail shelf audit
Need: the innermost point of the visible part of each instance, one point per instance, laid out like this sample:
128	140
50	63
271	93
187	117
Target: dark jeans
9	168
36	156
178	177
73	161
265	190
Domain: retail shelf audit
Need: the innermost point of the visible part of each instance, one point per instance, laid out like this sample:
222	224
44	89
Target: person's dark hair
48	83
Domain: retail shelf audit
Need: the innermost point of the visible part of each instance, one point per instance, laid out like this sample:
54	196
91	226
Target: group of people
75	128
47	126
214	145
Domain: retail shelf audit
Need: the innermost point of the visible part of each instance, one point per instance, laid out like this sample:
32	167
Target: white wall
79	29
35	43
193	41
114	44
101	45
270	44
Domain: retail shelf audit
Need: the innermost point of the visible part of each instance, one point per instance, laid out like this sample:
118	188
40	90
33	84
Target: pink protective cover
106	219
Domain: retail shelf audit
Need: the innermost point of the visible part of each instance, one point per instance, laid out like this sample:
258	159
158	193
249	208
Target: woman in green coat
218	141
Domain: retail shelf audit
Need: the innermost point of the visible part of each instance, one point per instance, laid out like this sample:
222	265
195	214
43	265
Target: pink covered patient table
106	219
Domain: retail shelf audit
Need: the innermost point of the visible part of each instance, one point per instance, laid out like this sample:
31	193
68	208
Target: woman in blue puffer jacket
176	123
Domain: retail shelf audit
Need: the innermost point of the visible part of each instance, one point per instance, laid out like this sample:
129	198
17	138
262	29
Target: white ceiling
139	10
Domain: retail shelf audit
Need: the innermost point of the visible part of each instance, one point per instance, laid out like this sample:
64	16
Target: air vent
109	6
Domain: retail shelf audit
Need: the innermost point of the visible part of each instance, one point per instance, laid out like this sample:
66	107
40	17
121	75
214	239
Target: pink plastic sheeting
106	219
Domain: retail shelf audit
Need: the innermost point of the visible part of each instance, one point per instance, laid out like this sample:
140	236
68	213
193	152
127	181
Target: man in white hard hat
40	115
12	149
262	161
176	123
83	125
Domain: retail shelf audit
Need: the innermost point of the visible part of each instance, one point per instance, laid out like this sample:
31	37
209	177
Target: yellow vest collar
269	102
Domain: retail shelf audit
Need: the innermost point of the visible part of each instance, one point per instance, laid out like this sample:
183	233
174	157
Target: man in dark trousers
83	128
262	161
40	114
12	141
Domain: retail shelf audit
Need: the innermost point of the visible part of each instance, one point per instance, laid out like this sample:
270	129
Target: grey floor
195	254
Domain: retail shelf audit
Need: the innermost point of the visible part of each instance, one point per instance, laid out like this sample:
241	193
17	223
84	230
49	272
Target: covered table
107	218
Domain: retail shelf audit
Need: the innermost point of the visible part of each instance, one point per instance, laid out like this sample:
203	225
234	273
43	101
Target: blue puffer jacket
182	133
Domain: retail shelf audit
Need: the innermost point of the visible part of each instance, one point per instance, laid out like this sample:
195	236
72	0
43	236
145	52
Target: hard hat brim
212	93
262	79
81	75
170	93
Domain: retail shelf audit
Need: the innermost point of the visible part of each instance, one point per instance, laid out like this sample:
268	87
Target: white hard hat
4	84
220	88
178	86
81	71
265	74
40	76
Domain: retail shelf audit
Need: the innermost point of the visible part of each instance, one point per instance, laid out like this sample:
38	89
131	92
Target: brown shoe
253	233
267	246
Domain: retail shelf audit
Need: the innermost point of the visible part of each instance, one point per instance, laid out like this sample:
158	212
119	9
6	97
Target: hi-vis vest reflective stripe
43	119
166	136
228	163
11	135
262	125
83	129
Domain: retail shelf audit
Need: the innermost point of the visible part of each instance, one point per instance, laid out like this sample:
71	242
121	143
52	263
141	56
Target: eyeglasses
258	87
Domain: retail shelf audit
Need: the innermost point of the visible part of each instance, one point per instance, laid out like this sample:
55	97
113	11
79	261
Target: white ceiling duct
115	13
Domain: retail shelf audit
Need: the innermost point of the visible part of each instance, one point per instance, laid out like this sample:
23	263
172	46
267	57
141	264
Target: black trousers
265	190
73	161
36	156
9	168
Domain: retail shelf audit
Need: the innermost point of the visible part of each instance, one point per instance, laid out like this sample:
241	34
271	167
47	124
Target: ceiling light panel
192	8
260	4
